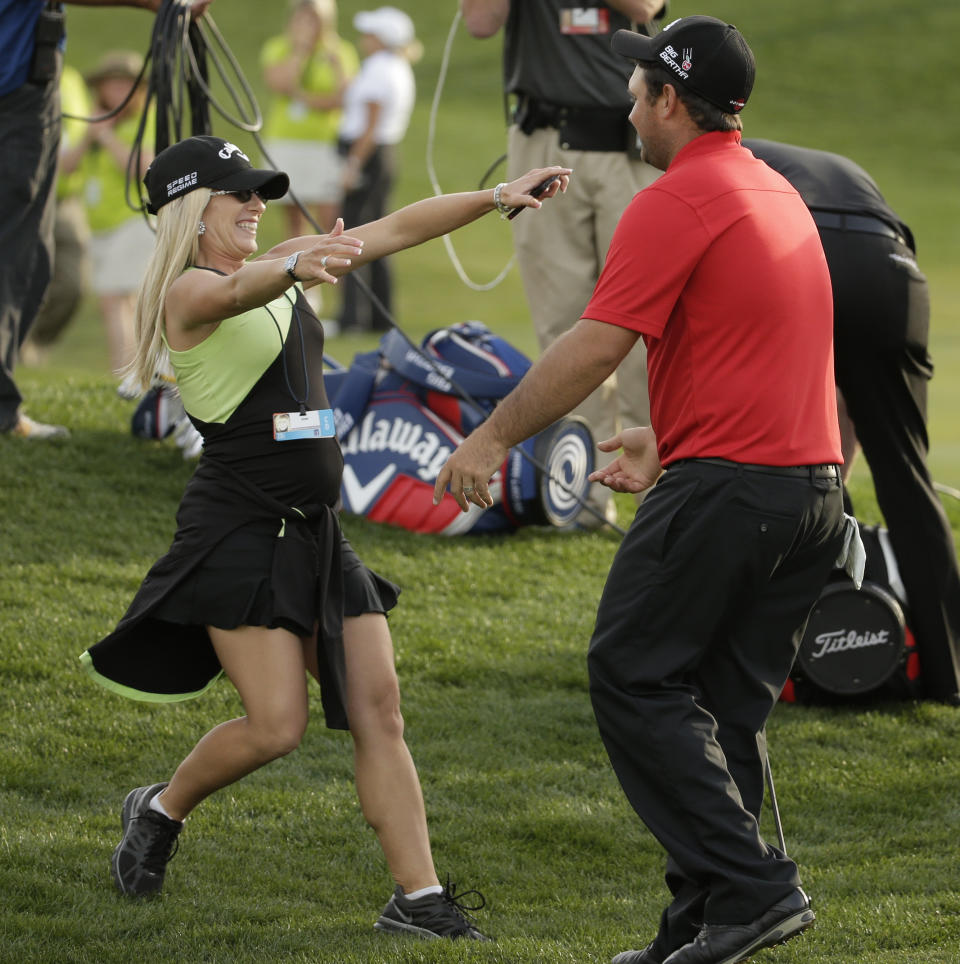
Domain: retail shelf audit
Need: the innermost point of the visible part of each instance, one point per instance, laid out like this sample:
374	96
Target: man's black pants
29	142
881	321
697	629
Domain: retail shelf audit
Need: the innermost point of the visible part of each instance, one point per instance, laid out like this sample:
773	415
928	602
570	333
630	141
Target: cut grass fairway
491	635
491	632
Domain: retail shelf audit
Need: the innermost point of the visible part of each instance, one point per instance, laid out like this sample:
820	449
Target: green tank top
215	376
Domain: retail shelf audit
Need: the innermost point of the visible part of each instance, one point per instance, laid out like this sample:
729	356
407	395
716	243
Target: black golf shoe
649	955
732	943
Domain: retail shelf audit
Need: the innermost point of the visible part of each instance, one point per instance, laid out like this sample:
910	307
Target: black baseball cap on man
207	161
703	54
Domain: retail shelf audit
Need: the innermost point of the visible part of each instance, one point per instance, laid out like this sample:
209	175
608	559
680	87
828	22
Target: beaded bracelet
504	209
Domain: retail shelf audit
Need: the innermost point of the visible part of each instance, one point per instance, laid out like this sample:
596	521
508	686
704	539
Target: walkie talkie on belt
47	54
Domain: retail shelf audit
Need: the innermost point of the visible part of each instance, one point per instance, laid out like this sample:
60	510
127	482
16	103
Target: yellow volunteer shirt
291	120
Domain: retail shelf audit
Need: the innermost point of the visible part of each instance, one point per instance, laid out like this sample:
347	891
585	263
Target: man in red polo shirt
719	268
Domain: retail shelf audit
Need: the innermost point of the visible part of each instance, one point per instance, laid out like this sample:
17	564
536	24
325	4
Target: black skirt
161	650
234	587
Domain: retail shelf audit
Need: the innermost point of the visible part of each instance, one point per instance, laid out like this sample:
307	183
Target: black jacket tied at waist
148	658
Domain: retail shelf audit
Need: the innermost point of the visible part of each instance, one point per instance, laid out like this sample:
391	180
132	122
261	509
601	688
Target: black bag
857	645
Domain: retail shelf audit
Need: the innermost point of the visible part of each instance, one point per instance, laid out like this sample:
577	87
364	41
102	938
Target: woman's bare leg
118	311
387	781
267	668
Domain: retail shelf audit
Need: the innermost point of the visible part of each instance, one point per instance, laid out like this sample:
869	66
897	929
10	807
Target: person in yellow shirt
122	239
307	70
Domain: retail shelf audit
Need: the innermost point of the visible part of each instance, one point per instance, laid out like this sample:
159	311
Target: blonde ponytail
175	249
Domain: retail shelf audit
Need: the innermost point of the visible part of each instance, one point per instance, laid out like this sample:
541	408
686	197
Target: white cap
392	27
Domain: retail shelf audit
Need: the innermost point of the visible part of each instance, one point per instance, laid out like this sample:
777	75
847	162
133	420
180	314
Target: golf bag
159	410
857	645
401	410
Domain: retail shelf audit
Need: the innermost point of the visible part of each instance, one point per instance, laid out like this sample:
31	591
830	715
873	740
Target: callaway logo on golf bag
400	415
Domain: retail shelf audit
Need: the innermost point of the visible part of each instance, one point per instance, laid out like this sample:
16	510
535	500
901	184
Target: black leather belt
826	471
579	128
863	223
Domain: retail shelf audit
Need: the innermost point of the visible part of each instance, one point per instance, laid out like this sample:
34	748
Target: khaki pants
560	251
71	268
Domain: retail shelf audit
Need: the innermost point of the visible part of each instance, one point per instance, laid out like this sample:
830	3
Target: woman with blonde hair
259	582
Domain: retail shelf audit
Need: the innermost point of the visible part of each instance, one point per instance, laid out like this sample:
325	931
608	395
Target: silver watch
290	265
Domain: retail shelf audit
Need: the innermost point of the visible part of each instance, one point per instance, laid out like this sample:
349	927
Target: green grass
490	633
490	638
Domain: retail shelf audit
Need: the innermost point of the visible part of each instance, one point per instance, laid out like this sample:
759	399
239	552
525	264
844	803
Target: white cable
947	490
431	137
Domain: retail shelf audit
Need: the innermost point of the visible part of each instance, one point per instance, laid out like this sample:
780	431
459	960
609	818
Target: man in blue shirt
31	54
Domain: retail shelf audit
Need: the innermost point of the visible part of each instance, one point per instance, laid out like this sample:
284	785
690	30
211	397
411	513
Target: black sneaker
437	915
649	955
732	943
149	840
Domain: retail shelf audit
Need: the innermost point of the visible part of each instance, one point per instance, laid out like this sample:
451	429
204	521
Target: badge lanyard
317	423
302	402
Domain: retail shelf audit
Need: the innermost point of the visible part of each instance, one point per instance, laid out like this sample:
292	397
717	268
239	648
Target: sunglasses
242	196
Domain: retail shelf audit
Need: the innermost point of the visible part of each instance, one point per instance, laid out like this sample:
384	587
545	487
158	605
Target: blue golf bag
401	411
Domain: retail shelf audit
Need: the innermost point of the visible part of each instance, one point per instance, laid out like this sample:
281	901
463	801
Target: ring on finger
467	489
323	261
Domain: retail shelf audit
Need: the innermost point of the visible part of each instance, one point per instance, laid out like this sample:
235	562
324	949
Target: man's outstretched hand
637	468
